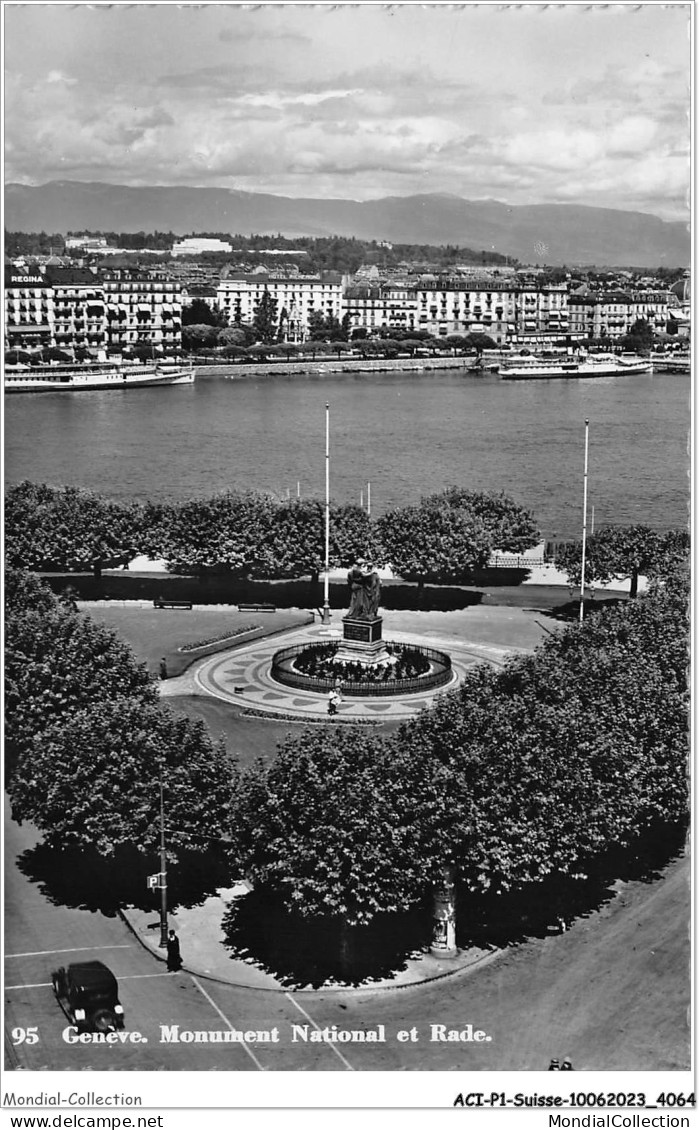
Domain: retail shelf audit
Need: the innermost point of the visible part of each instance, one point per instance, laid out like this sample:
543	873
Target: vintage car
89	995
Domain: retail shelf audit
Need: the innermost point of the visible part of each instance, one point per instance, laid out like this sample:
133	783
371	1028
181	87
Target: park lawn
153	633
249	736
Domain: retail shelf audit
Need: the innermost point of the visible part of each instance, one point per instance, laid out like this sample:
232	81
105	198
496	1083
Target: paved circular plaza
241	676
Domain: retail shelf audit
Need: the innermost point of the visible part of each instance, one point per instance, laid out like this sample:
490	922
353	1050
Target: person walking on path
174	958
163	668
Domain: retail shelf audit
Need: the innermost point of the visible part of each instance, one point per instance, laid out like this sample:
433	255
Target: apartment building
612	314
195	245
141	310
28	309
76	309
503	309
296	296
383	307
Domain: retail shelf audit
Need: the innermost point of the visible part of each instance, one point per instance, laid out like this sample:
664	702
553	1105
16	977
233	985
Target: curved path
242	677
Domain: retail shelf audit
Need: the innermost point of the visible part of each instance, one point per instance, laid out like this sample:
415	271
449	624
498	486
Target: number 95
25	1035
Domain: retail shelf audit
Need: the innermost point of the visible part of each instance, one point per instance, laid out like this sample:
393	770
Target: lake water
408	434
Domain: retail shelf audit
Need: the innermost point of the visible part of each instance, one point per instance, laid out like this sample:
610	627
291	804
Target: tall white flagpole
368	498
584	534
326	595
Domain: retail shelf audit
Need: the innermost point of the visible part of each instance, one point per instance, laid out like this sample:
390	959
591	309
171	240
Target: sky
525	104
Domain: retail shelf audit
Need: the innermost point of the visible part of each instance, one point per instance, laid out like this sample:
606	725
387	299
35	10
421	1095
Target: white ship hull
574	369
96	378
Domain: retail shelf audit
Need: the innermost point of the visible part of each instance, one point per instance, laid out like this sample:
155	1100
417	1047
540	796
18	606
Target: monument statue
365	592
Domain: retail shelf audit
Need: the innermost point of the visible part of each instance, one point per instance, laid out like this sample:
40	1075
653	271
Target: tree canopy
452	533
623	553
325	826
67	527
91	779
58	661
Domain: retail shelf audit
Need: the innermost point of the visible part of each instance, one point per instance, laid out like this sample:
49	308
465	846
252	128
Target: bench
172	604
257	608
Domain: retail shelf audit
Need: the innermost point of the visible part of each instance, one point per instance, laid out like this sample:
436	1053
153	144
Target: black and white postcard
347	513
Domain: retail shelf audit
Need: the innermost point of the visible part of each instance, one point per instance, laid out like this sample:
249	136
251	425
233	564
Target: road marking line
332	1047
75	949
121	977
37	985
225	1019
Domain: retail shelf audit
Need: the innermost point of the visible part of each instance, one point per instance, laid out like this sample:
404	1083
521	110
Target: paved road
40	936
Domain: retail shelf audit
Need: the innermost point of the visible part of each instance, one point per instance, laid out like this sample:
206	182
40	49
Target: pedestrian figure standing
174	959
332	702
567	1065
163	668
554	1065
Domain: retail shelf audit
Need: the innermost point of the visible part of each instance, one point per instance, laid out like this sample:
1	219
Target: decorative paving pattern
243	677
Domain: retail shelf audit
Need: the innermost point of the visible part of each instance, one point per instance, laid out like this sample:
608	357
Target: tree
265	321
91	780
229	532
24	592
296	543
66	527
509	525
640	337
58	661
317	328
450	534
199	336
234	335
479	342
325	826
620	553
200	313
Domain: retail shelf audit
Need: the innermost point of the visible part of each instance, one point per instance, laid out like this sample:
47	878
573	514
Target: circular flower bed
319	662
410	669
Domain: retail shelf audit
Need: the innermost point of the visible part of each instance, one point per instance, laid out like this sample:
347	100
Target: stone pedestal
361	642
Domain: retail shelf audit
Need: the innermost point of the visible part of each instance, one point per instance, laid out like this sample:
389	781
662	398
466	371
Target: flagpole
368	498
584	533
326	594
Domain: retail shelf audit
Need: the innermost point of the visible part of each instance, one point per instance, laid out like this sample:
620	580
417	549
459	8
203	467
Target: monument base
361	642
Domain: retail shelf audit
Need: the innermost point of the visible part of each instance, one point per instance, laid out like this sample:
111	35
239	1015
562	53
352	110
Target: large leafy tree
266	320
327	827
228	532
67	527
56	662
623	553
25	592
509	526
91	779
199	336
200	313
452	533
296	545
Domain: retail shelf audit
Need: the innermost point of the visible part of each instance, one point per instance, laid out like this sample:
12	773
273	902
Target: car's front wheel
104	1021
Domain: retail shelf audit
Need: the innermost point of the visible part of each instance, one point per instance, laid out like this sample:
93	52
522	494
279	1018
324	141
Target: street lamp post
163	871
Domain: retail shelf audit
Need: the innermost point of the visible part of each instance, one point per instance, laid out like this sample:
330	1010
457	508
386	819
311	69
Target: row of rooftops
54	275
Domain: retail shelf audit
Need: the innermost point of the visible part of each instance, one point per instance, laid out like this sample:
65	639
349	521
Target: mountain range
546	233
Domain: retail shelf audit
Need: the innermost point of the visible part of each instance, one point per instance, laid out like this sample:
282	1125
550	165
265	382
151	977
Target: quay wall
329	365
